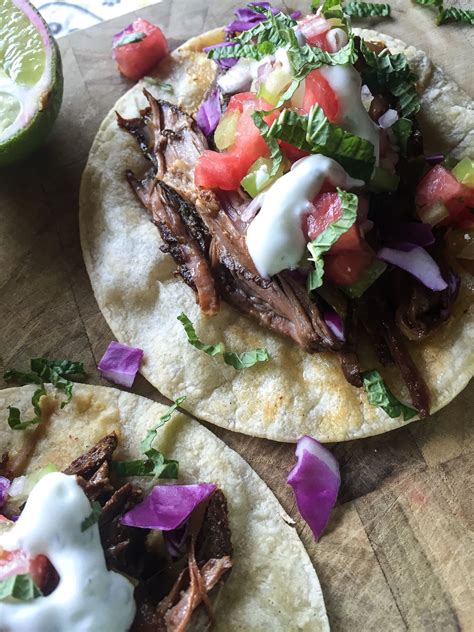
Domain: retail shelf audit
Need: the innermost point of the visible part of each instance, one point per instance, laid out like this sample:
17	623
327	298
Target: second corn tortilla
294	393
272	580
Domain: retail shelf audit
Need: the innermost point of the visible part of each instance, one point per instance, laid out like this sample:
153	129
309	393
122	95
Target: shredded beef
205	234
169	595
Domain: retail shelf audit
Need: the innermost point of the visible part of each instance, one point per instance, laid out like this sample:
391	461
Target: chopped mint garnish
130	38
155	464
380	395
58	372
329	236
391	72
21	587
93	517
402	130
316	134
367	9
275	151
238	360
453	14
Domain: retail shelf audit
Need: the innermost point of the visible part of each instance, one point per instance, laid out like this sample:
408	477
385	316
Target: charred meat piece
206	234
214	538
87	464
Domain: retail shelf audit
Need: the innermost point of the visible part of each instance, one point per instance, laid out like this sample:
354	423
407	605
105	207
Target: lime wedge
31	82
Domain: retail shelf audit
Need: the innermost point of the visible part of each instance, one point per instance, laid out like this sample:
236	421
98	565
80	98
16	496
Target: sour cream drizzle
275	239
88	597
353	117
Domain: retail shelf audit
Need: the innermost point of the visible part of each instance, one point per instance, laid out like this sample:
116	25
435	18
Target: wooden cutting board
398	552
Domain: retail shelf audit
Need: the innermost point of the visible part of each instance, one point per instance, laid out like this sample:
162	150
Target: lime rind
36	84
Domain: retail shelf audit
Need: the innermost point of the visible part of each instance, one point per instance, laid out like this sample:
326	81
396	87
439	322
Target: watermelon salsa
242	157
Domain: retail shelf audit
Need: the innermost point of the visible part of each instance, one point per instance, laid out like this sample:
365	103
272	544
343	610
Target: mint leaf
387	72
304	59
367	9
430	3
193	339
379	394
14	416
21	587
152	432
402	130
333	9
329	236
160	466
155	464
43	370
250	51
130	38
93	517
246	359
276	29
238	360
453	14
316	134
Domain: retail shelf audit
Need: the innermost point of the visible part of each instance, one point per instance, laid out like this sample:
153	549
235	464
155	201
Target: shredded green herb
316	134
391	72
329	236
367	9
93	517
453	14
402	130
380	395
448	14
21	587
130	38
237	360
250	51
155	464
58	372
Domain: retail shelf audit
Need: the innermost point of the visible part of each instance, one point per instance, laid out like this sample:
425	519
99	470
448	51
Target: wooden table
398	551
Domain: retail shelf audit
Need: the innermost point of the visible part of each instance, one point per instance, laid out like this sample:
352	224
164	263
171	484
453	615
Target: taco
222	564
361	311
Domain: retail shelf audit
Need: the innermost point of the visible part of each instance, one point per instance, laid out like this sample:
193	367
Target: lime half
31	82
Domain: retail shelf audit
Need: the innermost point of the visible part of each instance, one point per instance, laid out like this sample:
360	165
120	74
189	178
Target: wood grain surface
398	553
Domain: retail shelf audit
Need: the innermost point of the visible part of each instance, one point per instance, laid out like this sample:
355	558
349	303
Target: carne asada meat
206	235
169	595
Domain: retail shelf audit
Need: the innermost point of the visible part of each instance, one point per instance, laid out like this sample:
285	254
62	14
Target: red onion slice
388	119
167	507
416	261
120	363
4	489
209	113
315	480
335	324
